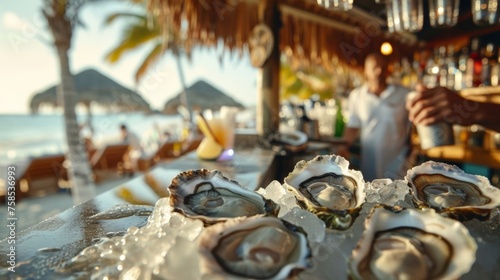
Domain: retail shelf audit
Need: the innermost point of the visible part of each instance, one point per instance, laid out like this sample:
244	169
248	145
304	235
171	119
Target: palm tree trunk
80	175
88	106
180	71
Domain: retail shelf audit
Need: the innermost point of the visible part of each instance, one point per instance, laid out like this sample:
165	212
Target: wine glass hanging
342	5
407	15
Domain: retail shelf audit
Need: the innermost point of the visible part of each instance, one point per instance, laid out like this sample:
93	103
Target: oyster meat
451	191
412	244
209	196
328	188
256	248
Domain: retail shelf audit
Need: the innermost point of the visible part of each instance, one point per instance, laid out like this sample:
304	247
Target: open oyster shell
253	248
450	191
412	244
209	196
328	188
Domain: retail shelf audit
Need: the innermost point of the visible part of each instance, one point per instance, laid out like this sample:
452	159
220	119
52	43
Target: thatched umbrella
201	96
92	86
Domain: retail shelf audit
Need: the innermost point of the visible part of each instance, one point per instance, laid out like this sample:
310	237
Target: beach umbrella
93	87
201	96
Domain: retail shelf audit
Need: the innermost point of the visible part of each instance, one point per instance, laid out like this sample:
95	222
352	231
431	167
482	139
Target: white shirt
384	128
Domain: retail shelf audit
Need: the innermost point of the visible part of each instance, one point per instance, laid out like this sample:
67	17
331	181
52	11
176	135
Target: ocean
25	136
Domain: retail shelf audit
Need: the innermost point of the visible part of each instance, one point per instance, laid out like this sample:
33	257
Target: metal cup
485	12
443	13
434	135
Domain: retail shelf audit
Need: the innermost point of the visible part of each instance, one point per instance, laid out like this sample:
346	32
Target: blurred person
135	152
86	133
378	116
439	104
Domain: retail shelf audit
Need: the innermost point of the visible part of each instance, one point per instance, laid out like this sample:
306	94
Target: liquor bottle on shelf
451	67
431	73
442	68
416	69
461	73
406	73
487	65
495	70
474	64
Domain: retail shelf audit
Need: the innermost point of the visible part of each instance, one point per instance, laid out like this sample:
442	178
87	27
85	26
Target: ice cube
192	229
310	223
274	191
386	191
182	260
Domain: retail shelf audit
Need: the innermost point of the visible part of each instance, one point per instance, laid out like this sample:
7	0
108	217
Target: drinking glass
443	13
404	15
485	12
343	5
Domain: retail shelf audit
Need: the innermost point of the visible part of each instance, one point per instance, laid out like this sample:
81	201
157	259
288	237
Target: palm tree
62	17
144	30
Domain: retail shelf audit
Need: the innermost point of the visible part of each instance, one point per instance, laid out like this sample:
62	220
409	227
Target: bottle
487	64
442	67
495	71
339	120
304	120
405	73
451	67
416	70
474	64
461	81
430	77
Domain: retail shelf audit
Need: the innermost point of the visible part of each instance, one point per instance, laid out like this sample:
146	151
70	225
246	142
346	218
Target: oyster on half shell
328	188
451	191
412	244
253	248
209	196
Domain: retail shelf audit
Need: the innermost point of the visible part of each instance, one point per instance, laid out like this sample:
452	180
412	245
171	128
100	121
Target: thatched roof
92	86
309	32
201	96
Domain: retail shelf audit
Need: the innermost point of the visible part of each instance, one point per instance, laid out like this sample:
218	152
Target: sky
28	61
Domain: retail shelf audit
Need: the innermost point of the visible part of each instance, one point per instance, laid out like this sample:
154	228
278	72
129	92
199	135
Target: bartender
378	116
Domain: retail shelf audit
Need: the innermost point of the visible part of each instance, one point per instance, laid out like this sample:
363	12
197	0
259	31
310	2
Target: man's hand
440	104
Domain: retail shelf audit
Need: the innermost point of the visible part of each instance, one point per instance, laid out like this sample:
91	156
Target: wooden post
268	76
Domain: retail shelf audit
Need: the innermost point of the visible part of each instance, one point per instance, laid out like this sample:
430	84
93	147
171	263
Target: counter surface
43	247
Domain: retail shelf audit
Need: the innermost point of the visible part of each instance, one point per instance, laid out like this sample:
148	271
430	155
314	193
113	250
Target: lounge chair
165	152
41	176
190	146
109	161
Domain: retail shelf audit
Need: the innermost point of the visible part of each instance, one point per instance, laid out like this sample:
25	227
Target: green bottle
339	120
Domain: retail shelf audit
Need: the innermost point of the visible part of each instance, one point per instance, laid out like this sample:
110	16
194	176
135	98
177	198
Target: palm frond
150	60
111	18
133	37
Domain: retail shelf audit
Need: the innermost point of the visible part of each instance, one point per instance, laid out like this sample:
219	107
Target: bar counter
43	249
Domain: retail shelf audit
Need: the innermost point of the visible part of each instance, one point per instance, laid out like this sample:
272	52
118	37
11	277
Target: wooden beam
268	79
403	37
318	19
367	16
